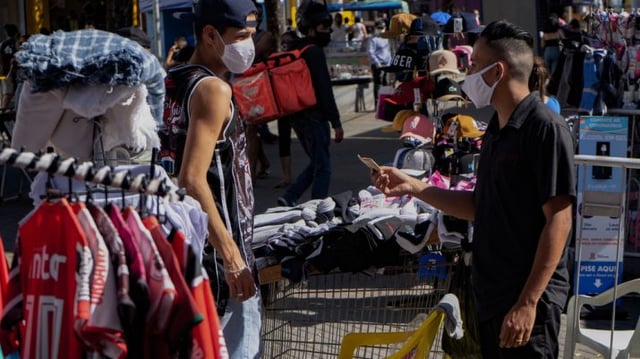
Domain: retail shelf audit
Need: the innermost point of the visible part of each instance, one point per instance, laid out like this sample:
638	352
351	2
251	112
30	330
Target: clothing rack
52	164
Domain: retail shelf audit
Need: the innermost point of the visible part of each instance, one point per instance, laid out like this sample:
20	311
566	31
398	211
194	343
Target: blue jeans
241	325
315	137
551	56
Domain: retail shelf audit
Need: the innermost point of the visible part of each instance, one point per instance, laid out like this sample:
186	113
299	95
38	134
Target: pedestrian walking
312	125
204	136
379	57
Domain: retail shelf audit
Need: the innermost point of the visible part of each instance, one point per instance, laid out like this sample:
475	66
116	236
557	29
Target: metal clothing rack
53	164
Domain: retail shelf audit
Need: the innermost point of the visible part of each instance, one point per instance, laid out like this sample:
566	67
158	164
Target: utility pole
273	12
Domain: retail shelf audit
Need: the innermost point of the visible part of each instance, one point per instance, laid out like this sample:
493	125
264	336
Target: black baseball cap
447	89
232	13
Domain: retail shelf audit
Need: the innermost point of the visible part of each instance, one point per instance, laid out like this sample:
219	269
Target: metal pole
156	28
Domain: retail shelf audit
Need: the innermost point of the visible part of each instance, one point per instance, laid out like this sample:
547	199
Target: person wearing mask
521	206
379	57
204	142
288	41
538	82
312	125
551	37
8	49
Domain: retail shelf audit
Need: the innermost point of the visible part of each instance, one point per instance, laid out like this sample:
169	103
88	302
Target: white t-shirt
358	31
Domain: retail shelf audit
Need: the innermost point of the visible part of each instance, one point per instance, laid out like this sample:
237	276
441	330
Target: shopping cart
600	245
309	319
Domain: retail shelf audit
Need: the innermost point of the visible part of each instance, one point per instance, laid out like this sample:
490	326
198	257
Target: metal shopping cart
309	319
600	242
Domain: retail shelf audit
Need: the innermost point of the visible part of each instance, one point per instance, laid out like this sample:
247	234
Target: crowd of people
522	216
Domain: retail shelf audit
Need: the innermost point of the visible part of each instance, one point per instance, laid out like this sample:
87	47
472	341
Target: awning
147	5
368	5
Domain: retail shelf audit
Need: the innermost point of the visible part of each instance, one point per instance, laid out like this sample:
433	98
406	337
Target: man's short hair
512	44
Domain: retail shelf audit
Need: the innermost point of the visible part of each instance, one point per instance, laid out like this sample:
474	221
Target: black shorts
543	342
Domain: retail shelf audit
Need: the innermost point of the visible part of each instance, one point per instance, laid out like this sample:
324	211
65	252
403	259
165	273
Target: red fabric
403	94
208	340
185	314
49	284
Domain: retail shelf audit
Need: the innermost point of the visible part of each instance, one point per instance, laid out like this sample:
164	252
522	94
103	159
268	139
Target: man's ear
208	33
502	70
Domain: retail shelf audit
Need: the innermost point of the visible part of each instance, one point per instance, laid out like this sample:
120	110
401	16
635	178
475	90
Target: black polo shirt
521	166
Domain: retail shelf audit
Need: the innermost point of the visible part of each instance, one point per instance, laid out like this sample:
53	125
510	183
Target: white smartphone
369	162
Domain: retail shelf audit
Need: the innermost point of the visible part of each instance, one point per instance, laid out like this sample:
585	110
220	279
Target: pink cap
420	127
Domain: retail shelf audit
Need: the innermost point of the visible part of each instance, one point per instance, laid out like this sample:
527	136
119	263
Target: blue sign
599	236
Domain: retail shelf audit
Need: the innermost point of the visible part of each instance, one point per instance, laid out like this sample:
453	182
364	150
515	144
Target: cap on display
447	89
442	61
420	127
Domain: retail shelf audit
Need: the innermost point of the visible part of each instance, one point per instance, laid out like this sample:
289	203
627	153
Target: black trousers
379	79
542	344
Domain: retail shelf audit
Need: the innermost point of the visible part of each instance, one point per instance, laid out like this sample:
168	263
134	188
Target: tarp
147	5
368	5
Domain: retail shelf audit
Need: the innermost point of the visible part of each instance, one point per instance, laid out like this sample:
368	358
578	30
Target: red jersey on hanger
49	283
208	339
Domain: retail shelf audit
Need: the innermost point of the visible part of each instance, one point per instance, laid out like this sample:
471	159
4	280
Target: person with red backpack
312	125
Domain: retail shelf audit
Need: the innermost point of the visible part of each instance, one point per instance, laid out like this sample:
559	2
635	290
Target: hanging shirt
126	307
49	283
162	292
8	339
138	282
103	330
208	338
185	314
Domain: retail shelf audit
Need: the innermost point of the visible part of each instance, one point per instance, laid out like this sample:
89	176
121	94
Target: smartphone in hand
369	162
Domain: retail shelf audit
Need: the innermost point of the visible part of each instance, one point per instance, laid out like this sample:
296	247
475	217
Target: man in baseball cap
204	145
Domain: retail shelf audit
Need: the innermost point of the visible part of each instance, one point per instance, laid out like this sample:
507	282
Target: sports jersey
162	292
138	281
126	307
8	339
208	339
103	330
49	283
185	314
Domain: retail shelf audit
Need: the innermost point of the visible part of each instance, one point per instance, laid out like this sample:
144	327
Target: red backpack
279	86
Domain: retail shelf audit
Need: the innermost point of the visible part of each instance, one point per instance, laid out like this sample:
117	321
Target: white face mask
238	57
478	91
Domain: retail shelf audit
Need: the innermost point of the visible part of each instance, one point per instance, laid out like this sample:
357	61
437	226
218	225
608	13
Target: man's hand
517	326
338	135
241	284
393	182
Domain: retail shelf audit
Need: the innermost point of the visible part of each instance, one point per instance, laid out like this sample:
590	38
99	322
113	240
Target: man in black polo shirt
521	206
